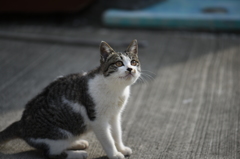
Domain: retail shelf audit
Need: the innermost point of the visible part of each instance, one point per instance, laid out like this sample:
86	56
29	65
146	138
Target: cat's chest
111	106
108	100
111	99
121	101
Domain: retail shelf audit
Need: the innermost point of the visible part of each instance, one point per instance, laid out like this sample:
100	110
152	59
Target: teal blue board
188	14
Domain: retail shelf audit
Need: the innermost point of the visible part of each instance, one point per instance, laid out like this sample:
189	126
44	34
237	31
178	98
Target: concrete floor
187	106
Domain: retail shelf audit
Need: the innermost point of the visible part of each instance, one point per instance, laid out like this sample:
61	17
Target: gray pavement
186	107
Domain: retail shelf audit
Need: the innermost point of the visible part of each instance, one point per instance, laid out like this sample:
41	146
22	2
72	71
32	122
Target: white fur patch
76	107
127	61
110	94
106	96
77	154
61	76
65	132
55	146
84	73
58	77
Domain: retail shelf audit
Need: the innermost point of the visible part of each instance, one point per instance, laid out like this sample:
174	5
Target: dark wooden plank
56	62
154	126
17	58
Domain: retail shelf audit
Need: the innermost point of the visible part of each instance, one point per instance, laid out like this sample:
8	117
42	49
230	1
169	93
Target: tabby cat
69	107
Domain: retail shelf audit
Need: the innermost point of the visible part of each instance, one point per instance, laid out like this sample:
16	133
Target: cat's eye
134	63
119	64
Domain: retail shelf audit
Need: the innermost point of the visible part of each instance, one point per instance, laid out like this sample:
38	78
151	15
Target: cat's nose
129	69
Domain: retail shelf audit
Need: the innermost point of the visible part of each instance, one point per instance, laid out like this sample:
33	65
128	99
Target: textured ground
187	106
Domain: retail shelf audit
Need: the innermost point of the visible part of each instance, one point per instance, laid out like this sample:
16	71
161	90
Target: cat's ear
105	50
133	47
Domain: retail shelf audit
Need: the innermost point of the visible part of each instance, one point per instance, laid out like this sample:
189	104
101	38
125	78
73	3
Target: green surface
184	14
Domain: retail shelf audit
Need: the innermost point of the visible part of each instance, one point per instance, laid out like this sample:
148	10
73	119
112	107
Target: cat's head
122	67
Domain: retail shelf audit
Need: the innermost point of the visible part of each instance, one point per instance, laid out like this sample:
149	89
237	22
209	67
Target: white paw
76	154
126	151
79	145
118	155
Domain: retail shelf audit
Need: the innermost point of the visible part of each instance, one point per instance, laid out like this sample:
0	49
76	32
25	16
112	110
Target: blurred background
208	15
186	104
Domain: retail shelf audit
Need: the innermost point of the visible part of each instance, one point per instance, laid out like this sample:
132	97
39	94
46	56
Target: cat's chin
127	77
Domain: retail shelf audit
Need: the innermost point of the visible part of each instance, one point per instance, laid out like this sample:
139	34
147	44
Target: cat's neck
101	83
116	87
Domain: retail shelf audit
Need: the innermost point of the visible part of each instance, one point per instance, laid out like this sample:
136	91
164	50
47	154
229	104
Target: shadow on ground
32	154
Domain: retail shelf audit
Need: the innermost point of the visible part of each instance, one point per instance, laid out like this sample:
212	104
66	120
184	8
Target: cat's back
51	112
69	86
60	95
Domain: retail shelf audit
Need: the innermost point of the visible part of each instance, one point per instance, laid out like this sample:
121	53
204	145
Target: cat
69	107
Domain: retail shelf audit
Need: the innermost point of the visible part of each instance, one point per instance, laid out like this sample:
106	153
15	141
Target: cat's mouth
127	77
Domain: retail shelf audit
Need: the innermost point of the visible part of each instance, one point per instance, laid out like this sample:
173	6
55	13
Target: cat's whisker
147	77
143	80
149	72
140	79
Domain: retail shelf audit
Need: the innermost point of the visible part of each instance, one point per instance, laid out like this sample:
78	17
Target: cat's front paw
118	155
126	151
79	145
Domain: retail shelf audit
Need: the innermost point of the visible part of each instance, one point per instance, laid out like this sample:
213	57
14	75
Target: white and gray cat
69	107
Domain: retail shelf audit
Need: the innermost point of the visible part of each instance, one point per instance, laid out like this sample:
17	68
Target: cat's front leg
103	134
117	135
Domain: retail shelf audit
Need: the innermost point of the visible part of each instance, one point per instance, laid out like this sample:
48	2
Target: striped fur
69	107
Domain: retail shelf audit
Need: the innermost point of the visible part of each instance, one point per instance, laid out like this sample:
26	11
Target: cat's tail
10	132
